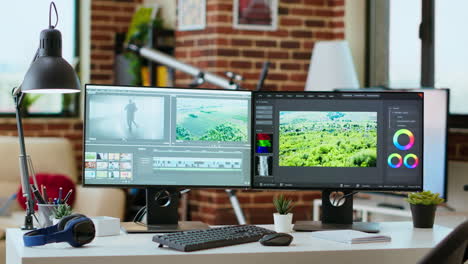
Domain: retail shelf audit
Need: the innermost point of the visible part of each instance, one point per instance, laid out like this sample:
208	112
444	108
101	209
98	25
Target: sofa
55	156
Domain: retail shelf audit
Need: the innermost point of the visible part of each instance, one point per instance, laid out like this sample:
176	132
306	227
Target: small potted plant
60	212
283	217
423	207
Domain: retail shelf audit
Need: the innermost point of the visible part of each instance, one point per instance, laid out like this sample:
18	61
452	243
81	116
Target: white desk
408	245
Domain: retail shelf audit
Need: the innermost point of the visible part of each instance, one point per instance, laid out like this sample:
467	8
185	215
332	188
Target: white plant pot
283	223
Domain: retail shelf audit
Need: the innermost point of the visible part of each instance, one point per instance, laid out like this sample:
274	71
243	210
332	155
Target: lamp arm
24	170
164	59
18	97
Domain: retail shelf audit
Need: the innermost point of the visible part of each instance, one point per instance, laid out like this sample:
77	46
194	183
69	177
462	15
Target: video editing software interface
338	140
167	136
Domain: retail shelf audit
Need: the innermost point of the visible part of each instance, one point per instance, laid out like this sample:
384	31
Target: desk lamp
48	73
331	67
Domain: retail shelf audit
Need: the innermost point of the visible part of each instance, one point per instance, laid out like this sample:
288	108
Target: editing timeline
113	166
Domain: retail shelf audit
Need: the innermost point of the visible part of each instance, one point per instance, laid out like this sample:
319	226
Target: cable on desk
35	217
343	197
334	198
139	214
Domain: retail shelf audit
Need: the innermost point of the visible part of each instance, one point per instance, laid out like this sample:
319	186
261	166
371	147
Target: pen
44	194
59	195
67	196
37	194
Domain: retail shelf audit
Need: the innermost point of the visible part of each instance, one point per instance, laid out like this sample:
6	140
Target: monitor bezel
312	188
154	185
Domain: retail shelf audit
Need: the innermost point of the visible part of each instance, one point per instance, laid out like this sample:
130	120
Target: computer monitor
338	141
166	138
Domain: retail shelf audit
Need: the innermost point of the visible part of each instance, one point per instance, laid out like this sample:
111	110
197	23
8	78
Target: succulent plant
282	204
62	211
424	198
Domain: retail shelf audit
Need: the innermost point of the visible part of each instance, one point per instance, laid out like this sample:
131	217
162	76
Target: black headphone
76	229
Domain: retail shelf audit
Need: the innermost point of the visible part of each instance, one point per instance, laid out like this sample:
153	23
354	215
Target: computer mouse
277	239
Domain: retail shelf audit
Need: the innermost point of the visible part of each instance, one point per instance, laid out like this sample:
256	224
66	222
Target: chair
452	250
52	155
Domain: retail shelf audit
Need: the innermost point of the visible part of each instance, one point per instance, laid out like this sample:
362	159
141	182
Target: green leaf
62	211
424	198
282	205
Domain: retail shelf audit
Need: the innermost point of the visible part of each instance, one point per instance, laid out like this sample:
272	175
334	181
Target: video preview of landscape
328	139
212	120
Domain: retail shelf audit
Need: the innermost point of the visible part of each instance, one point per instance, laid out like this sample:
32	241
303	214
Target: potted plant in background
60	212
283	217
28	101
423	207
68	101
143	22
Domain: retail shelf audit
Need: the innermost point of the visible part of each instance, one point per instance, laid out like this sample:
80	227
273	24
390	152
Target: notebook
350	236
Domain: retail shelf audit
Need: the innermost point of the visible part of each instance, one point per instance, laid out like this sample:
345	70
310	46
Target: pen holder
46	214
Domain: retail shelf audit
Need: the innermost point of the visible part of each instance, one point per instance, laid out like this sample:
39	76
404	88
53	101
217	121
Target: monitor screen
141	136
333	140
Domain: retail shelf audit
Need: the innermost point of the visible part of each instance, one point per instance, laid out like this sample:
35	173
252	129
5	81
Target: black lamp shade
50	73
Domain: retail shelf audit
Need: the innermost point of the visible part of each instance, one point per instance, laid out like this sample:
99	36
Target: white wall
355	33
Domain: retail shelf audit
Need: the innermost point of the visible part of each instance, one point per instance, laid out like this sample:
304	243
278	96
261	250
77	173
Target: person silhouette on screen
131	108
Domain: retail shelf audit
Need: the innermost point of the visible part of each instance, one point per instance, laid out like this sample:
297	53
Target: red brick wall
458	146
221	48
214	207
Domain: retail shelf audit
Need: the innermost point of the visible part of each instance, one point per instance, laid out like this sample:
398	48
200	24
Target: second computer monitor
363	141
141	136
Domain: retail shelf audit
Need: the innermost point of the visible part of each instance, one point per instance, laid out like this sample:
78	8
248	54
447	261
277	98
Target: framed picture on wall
191	15
255	14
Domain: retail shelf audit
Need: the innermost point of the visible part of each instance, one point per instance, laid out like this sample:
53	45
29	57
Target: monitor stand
336	217
162	214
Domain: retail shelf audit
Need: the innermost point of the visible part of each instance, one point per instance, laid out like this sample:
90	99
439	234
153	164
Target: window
451	52
405	46
419	42
22	21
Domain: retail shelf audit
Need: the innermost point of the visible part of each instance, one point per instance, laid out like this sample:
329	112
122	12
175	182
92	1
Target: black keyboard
211	238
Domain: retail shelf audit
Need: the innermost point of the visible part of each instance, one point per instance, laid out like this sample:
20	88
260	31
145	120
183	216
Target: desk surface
407	246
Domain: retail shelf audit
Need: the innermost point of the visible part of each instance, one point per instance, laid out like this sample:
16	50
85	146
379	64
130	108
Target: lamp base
28	223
